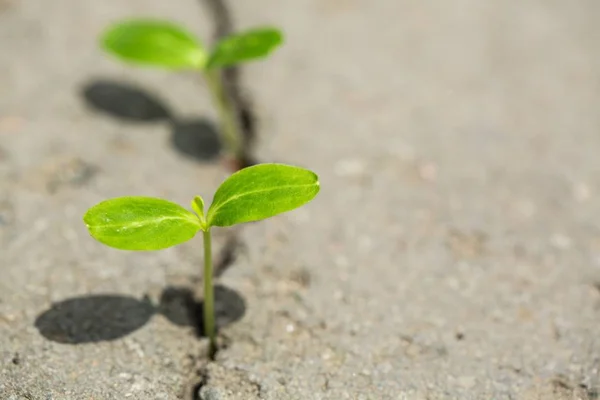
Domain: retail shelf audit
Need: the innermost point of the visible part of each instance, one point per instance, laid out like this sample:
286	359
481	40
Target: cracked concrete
451	254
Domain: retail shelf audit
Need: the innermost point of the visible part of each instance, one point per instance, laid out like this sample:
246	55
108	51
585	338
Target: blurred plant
251	194
163	44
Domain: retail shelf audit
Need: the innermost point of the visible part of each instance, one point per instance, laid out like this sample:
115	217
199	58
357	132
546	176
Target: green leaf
260	192
154	43
250	45
198	207
140	223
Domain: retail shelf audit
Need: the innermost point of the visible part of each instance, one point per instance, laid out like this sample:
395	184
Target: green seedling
162	44
251	194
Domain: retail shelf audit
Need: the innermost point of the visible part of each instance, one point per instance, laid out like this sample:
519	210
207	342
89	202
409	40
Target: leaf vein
138	224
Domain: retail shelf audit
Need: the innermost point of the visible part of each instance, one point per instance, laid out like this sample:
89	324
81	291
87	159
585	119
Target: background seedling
251	194
162	44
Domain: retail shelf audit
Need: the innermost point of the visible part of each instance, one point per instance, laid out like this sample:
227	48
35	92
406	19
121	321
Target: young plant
162	44
251	194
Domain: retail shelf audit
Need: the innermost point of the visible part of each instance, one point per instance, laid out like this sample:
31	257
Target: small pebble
209	393
125	376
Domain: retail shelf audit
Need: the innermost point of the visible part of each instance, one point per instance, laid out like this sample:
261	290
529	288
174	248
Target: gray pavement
453	252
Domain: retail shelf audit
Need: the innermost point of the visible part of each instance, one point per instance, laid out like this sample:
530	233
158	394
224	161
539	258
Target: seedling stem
229	124
209	301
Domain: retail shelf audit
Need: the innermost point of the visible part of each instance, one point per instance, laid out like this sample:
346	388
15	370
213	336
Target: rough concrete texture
451	254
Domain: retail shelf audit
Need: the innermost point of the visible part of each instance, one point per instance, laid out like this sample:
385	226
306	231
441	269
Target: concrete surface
453	252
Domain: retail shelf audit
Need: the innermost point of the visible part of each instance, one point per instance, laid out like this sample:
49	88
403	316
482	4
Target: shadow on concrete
93	318
124	101
96	318
179	306
196	138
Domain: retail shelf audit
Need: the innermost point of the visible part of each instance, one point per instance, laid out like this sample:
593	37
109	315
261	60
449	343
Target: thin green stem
209	301
228	120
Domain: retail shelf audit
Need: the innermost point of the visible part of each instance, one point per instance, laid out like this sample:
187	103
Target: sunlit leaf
140	223
154	43
250	45
260	192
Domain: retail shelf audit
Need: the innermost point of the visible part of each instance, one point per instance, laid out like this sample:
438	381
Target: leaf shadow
89	319
196	138
108	317
124	101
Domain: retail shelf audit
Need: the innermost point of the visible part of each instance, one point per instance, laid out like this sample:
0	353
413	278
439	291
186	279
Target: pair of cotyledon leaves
166	45
251	194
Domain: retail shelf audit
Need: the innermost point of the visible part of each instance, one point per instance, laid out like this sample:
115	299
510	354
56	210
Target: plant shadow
180	307
97	318
196	138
